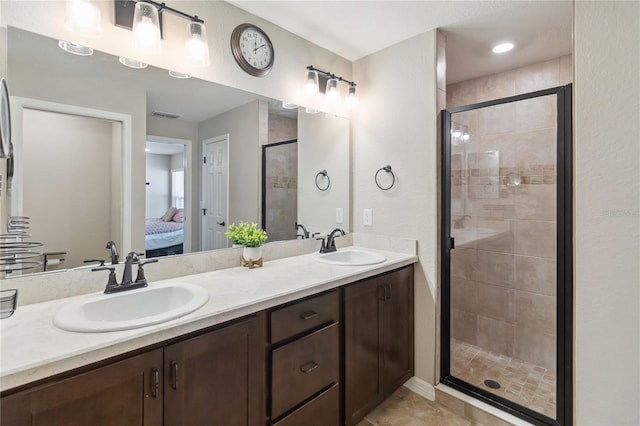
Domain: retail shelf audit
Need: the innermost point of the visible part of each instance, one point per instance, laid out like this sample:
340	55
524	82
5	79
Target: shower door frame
564	263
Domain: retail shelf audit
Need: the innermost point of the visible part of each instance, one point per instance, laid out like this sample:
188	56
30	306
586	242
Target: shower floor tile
526	384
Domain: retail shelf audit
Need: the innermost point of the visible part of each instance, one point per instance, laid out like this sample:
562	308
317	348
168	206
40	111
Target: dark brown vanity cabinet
378	349
216	378
305	362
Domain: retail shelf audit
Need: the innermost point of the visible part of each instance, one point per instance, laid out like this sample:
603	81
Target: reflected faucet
114	252
330	245
459	223
305	233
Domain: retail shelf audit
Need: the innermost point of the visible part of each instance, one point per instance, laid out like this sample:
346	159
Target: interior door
215	192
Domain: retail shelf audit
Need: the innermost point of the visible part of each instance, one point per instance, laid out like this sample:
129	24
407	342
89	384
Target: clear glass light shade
132	63
83	17
197	44
146	28
176	74
311	84
352	97
75	48
332	89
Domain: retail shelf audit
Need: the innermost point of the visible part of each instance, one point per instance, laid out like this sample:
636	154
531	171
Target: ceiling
354	29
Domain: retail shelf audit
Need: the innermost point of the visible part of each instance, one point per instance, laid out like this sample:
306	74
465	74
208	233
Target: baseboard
421	387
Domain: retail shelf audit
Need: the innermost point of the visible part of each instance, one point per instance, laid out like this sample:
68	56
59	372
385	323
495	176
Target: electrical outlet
339	215
367	217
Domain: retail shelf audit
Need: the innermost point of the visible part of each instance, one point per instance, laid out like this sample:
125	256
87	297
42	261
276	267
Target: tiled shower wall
503	288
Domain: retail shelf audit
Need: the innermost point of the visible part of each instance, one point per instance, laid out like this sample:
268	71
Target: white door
215	192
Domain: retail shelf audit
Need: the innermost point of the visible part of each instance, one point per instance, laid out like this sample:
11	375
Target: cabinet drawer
304	315
303	368
323	410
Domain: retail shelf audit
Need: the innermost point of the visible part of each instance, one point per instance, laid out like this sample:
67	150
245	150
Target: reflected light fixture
132	63
327	83
176	74
311	85
146	27
75	48
288	105
352	97
83	17
503	47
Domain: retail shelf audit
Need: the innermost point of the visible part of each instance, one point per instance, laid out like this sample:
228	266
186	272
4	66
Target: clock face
252	49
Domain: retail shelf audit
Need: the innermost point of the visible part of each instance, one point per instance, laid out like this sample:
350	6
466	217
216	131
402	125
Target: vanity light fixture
75	48
503	47
144	18
319	81
83	17
146	27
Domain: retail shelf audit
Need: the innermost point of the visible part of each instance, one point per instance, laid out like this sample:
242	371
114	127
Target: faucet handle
112	282
140	278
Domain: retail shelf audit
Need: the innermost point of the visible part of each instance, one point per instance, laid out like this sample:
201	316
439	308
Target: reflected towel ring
323	173
389	172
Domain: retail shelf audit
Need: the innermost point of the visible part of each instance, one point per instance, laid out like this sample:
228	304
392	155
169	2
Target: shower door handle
453	243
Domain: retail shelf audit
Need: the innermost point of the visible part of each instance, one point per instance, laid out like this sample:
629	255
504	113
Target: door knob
220	223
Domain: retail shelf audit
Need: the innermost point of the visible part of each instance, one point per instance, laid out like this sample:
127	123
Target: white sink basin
131	309
350	257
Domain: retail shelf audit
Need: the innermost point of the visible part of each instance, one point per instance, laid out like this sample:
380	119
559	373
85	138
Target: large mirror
155	163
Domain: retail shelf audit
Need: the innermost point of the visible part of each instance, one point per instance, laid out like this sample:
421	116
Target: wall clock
252	50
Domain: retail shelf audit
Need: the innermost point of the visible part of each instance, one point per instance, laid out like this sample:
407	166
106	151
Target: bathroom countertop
33	348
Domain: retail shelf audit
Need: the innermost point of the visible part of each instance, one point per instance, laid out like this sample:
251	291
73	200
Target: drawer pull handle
308	315
155	384
309	367
174	375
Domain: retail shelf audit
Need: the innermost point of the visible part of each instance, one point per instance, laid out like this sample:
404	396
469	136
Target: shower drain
492	384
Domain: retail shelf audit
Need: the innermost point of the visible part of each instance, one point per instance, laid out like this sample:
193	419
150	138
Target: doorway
507	254
215	192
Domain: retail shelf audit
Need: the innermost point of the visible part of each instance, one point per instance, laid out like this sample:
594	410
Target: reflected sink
130	309
350	257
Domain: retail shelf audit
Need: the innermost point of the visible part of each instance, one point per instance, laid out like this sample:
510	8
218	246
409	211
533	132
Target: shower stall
506	253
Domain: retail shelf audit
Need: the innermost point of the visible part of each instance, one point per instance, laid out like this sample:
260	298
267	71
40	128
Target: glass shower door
504	199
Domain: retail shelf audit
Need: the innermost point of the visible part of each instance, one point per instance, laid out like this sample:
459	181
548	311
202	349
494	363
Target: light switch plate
367	217
339	215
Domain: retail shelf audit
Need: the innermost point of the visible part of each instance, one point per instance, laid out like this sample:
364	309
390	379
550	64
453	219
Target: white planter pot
252	253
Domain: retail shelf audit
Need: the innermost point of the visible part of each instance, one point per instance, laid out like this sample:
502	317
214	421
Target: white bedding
166	239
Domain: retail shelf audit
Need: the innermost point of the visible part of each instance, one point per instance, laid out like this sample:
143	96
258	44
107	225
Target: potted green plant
251	238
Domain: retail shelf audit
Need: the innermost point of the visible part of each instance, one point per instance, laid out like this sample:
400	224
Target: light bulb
456	132
197	44
83	17
503	47
311	85
465	136
146	28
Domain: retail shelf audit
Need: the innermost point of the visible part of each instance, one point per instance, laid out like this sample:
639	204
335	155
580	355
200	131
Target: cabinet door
217	378
123	393
363	341
397	329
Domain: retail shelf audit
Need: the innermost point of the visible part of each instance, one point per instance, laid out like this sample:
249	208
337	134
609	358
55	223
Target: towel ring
323	173
389	171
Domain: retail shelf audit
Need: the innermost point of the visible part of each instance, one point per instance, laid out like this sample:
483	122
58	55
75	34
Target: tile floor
526	384
406	408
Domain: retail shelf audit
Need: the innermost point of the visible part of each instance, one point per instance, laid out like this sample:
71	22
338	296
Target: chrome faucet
459	223
305	233
330	244
127	280
114	252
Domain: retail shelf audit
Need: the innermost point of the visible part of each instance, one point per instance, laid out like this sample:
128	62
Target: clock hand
254	50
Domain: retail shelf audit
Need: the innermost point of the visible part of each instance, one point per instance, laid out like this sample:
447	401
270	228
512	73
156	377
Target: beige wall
282	129
395	123
242	125
607	212
323	144
281	190
67	184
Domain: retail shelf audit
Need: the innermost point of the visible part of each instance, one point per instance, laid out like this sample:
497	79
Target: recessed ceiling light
132	63
503	47
176	74
75	48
